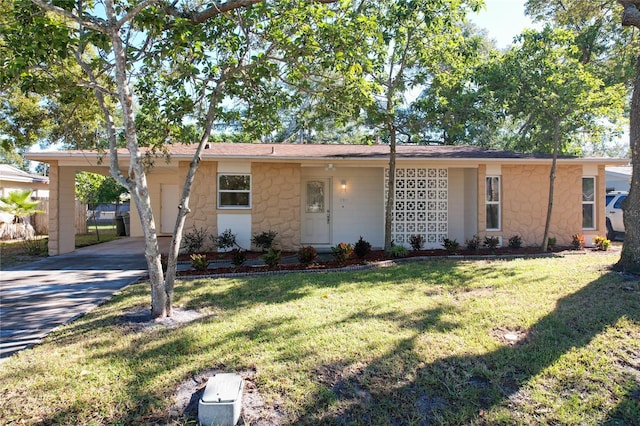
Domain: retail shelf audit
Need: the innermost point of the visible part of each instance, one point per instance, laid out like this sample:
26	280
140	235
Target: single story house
321	195
13	179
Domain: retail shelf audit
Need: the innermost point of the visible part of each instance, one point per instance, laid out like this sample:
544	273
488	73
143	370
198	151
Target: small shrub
602	243
271	258
239	256
264	240
398	251
193	242
416	242
307	255
515	242
362	248
450	246
342	252
473	243
34	246
226	240
577	242
491	242
199	262
551	243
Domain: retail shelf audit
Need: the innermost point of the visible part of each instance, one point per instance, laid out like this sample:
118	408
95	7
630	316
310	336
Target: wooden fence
40	221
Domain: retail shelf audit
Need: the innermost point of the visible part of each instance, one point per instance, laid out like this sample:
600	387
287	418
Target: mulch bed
375	256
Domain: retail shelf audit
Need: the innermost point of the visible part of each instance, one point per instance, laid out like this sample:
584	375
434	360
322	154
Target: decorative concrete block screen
421	205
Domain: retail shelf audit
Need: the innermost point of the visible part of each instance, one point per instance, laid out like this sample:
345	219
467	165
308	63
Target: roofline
91	159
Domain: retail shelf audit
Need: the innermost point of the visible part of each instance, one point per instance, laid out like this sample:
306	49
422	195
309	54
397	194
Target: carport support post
62	205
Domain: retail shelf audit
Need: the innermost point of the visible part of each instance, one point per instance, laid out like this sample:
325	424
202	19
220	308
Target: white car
615	223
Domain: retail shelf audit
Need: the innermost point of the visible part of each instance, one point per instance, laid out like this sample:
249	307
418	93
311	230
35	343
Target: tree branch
631	14
219	8
95	24
134	12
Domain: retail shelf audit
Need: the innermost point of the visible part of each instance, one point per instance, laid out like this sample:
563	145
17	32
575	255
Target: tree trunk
552	181
388	213
630	257
137	177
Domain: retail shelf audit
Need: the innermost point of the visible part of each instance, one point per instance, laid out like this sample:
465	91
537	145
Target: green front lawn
19	252
539	341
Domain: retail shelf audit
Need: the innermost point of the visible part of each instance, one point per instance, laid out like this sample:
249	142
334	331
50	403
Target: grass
537	341
17	252
105	234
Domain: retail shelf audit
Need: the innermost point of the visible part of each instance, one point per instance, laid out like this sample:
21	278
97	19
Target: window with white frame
588	203
234	191
492	203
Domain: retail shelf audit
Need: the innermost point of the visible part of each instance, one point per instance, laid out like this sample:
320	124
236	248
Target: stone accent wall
525	194
203	198
276	202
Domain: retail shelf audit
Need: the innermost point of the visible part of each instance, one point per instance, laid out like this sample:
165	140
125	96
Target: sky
503	19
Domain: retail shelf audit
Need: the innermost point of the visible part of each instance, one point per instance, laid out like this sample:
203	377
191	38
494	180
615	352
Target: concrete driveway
40	296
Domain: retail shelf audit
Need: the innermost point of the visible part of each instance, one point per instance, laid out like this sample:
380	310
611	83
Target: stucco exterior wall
203	198
524	199
462	204
62	230
276	202
155	179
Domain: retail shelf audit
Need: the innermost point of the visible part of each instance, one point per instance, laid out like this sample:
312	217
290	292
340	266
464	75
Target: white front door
316	211
169	200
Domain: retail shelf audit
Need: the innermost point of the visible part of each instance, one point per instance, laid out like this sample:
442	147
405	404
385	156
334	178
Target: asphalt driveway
38	297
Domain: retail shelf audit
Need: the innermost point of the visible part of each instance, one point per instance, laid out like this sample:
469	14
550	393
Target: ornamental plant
238	257
193	242
342	252
199	262
416	242
491	242
362	248
398	251
264	240
602	243
451	246
473	243
515	242
577	242
307	255
226	240
272	258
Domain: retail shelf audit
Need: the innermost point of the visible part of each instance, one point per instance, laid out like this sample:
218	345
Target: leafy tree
630	257
38	106
545	87
607	34
180	61
93	189
451	110
413	39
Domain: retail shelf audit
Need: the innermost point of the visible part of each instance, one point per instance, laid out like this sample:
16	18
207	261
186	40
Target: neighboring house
618	178
321	195
13	179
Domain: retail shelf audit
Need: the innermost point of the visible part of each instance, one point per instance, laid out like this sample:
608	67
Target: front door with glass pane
316	211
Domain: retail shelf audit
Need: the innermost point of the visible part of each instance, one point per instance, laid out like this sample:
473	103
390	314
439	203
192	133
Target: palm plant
20	205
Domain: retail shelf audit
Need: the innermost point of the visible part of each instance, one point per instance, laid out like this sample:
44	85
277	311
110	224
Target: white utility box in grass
221	401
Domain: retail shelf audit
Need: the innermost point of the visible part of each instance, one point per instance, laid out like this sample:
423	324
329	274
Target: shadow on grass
395	388
458	389
249	291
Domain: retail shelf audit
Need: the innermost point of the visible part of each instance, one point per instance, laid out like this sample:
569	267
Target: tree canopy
164	72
